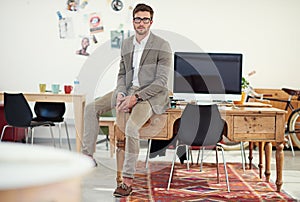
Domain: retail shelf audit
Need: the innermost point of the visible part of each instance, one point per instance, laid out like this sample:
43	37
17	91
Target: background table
78	106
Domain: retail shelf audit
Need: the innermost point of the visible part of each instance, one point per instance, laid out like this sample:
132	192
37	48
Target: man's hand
119	97
126	103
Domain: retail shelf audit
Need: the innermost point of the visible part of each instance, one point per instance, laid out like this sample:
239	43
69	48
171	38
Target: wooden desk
257	124
78	106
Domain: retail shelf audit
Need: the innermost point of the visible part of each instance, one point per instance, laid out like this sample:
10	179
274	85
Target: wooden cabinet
279	94
254	126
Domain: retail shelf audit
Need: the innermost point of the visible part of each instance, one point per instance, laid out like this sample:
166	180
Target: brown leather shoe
122	190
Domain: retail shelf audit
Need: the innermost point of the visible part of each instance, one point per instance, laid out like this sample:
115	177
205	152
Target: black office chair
200	125
54	112
18	114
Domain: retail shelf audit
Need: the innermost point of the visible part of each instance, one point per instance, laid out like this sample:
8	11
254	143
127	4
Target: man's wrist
138	98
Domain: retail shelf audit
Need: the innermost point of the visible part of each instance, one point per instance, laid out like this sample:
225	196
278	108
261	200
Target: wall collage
92	21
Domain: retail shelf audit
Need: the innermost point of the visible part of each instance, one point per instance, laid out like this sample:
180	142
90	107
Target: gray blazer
153	72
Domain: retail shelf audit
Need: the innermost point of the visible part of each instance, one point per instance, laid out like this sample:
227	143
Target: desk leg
260	165
79	122
120	153
250	154
111	133
268	156
279	164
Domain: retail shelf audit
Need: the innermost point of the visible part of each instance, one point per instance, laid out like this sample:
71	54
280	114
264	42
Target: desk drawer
254	127
155	128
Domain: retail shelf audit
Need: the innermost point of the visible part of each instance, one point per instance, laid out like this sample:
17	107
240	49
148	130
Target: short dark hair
143	7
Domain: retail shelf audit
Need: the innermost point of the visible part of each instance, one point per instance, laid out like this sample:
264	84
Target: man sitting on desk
141	91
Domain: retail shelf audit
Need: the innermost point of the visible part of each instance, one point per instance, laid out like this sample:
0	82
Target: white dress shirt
137	54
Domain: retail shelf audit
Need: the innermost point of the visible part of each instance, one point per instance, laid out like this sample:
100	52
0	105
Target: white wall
265	31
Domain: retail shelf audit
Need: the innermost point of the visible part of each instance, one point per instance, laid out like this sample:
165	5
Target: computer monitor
207	77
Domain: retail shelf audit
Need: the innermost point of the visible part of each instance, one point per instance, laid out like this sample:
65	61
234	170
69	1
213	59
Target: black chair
54	112
200	125
18	114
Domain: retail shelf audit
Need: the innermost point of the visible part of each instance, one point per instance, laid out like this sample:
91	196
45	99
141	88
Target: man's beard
141	32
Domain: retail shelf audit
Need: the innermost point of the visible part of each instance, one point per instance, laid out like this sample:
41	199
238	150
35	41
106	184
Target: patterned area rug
192	185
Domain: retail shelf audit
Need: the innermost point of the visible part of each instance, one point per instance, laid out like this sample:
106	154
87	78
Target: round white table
40	173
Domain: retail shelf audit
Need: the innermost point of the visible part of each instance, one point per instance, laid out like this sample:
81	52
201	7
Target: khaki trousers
91	121
130	124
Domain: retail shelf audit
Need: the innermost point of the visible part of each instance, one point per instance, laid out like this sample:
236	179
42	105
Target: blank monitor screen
208	74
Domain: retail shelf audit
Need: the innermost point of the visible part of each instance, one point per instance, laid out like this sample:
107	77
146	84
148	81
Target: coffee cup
173	104
68	89
42	87
55	88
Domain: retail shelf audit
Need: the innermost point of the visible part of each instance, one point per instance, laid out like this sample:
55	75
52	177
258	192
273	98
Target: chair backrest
17	110
50	111
200	125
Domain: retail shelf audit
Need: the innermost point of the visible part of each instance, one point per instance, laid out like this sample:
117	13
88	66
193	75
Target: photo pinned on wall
85	43
116	38
117	5
95	23
72	5
65	28
84	4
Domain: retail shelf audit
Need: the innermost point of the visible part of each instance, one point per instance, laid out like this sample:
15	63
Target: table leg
260	165
279	164
120	153
268	156
111	132
250	154
78	105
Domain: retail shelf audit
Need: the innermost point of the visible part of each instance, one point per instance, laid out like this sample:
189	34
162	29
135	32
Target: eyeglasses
138	20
